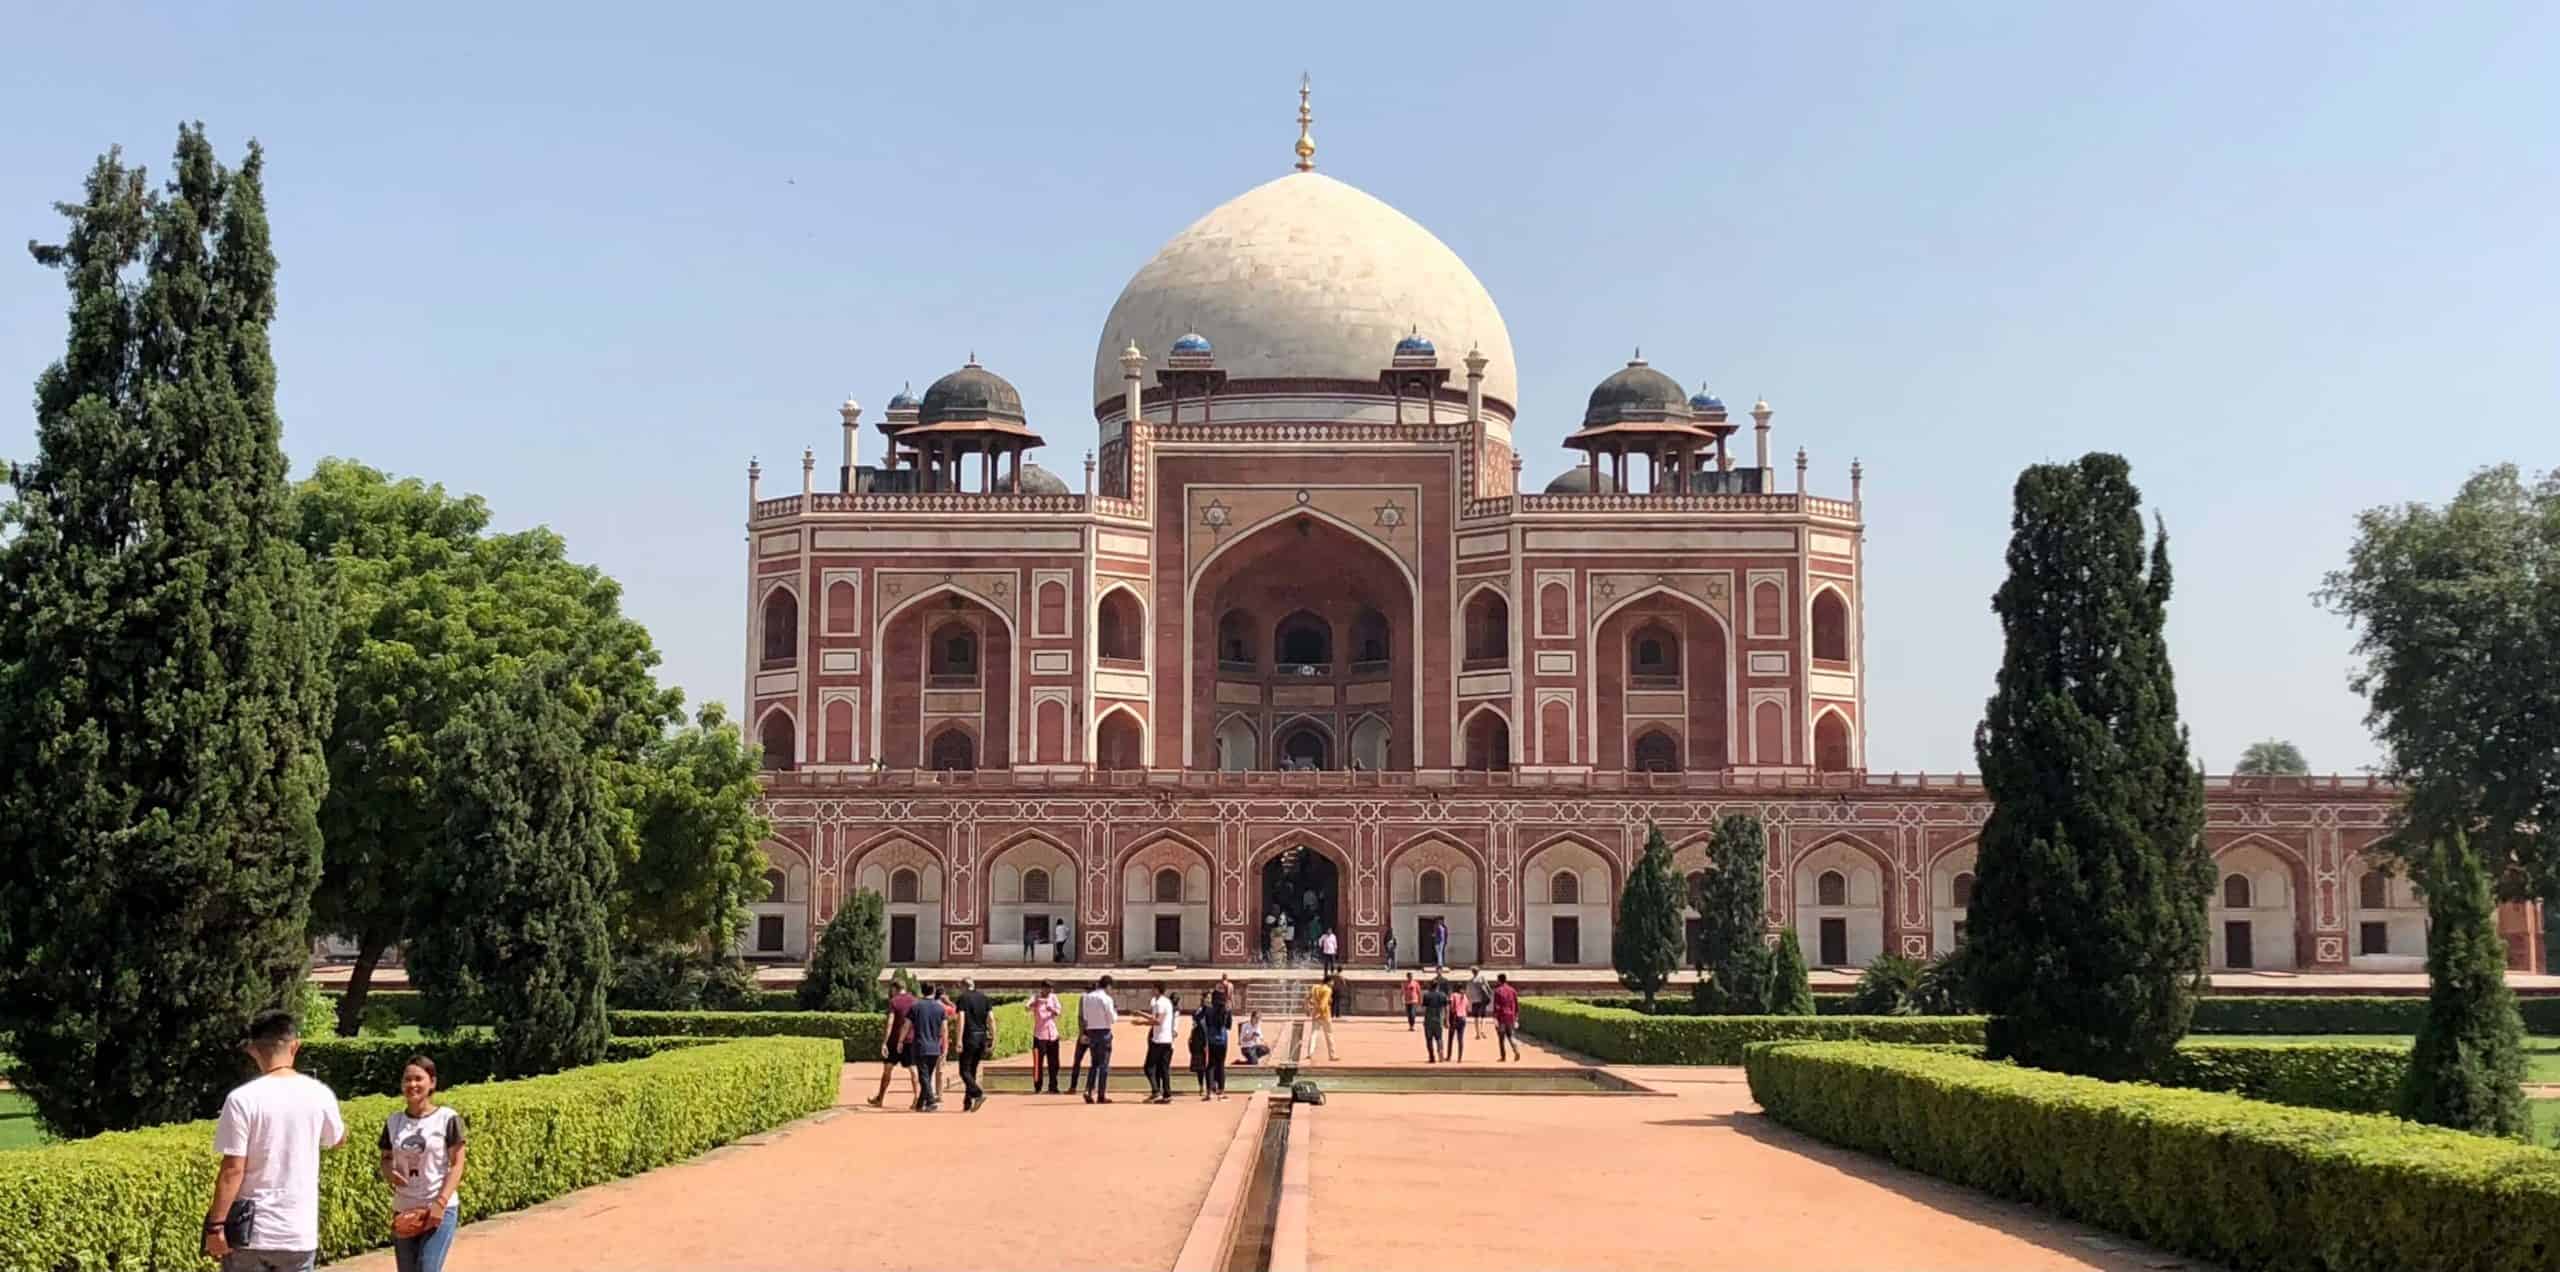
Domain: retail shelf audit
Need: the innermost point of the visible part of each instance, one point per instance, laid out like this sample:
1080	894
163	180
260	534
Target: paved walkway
1026	1182
1697	1181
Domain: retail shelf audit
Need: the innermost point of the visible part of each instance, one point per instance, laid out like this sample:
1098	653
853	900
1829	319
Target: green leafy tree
1789	991
844	974
2467	1069
433	611
514	891
1890	986
1645	944
2457	617
1732	909
2273	757
698	836
163	681
2086	934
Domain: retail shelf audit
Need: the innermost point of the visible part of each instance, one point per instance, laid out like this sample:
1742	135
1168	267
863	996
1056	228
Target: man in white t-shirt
1161	1016
1095	1015
270	1136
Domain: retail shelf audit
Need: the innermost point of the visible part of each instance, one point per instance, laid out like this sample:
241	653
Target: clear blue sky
2293	260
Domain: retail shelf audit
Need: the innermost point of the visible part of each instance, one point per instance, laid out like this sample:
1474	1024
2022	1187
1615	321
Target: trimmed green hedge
136	1199
2360	1014
2220	1177
1621	1036
371	1066
859	1031
2348	1077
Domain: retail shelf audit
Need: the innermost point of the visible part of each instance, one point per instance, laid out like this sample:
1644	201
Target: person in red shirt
1506	1017
893	1046
1412	1001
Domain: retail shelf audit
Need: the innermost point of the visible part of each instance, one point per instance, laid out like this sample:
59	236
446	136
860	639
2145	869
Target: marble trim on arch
1108	869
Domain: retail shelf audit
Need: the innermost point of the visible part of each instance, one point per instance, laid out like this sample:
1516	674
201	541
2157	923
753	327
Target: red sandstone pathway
1042	1182
1696	1181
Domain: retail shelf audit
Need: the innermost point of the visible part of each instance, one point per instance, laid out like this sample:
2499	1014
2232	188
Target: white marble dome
1306	277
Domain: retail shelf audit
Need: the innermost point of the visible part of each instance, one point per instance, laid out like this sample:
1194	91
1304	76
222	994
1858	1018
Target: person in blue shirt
926	1023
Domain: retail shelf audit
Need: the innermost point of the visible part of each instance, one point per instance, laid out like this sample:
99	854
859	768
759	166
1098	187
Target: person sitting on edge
1249	1039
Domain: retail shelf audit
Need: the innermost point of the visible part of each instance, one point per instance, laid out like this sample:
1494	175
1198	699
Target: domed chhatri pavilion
1300	642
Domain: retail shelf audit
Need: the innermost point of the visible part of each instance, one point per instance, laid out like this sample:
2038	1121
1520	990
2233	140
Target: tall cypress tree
1731	914
163	680
515	891
2468	1066
2087	930
844	974
1645	943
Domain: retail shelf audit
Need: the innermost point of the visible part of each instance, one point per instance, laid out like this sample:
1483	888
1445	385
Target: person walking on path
1059	930
1215	1020
1479	999
1391	950
895	1054
1435	1010
1506	1018
1249	1043
1412	1000
422	1155
1199	1045
1075	1070
1440	945
1044	1037
927	1023
1097	1016
1320	1016
1458	1025
977	1037
1162	1013
1031	935
1329	946
265	1215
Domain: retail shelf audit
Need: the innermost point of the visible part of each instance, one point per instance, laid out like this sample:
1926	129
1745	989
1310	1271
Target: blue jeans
426	1254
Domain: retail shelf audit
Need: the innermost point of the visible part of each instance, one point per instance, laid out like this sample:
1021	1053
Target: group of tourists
919	1024
1443	1013
265	1215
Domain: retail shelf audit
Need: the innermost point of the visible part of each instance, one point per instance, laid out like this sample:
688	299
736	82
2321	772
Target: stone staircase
1278	997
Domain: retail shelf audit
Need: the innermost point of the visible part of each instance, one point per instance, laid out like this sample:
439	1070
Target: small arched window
1369	637
2373	891
1832	888
904	886
781	627
953	750
777	738
1565	888
1035	886
777	887
954	652
1653	657
1830	626
1434	888
1964	890
1488	627
1120	628
2235	892
1697	882
1235	639
1168	886
1657	752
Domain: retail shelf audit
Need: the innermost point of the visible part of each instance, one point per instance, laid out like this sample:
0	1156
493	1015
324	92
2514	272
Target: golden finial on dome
1306	117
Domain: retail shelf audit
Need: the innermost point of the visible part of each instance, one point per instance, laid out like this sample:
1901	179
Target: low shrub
1629	1037
2348	1077
860	1031
371	1066
681	978
136	1199
2216	1176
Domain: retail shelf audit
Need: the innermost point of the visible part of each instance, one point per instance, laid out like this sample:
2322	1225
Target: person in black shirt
1213	1022
977	1035
1435	1008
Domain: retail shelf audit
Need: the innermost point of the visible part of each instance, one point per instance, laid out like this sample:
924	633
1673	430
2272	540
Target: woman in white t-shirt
422	1153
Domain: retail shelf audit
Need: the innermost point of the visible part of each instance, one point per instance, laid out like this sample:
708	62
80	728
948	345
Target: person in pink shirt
1506	1017
895	1050
1044	1037
1457	1025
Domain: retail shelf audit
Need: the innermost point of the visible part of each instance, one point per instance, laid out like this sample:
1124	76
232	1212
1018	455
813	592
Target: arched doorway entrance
1315	624
1302	898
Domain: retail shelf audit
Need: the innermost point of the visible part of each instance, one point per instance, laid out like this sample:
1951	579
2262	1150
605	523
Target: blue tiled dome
1415	344
1705	401
903	400
1191	342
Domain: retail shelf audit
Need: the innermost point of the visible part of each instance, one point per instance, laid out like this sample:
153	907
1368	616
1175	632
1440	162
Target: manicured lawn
2541	1054
2546	1122
18	1121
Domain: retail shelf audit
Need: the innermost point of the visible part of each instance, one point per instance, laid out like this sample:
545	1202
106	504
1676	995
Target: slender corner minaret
1857	479
1476	362
1088	474
851	412
1800	462
808	475
1760	440
1133	364
755	479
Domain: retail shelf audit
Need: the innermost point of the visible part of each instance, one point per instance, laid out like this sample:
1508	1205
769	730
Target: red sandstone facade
1302	605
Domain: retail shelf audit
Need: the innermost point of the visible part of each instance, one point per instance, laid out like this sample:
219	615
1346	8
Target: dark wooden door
1168	934
902	938
1834	941
2236	948
1422	939
1568	940
768	934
